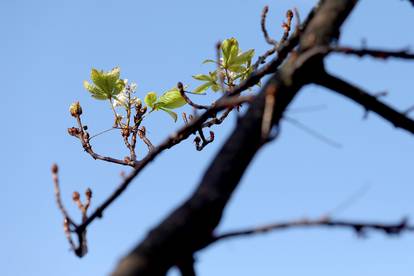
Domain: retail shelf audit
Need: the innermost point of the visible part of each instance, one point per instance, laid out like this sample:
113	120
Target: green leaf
171	113
243	58
119	86
96	92
209	61
213	75
203	87
230	49
237	68
202	77
171	99
108	82
215	87
150	99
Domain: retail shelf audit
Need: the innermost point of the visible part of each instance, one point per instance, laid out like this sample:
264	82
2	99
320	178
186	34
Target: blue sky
47	50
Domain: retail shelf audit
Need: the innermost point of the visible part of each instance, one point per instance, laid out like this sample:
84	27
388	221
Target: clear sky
48	48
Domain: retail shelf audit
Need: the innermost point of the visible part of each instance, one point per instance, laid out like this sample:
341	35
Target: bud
180	86
125	132
75	196
197	140
75	109
88	193
211	136
73	131
144	130
144	109
138	104
289	14
55	168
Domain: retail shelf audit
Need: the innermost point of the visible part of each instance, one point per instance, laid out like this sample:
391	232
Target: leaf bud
75	109
88	193
55	168
75	196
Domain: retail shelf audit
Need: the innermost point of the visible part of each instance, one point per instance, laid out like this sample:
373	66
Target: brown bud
73	131
143	130
180	86
144	109
55	168
75	196
289	14
127	159
197	140
211	136
138	105
75	109
88	193
125	132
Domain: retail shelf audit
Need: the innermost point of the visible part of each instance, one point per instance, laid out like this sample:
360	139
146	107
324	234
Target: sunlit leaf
230	49
150	99
171	113
108	83
96	92
203	87
171	99
209	61
202	77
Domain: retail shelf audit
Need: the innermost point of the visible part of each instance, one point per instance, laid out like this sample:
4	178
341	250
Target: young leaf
171	99
243	57
203	87
150	99
209	61
202	77
229	48
171	113
96	92
105	84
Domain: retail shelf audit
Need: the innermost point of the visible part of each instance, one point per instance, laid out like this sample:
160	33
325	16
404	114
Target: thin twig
81	249
58	197
83	137
277	46
204	141
375	53
142	133
187	99
358	227
268	39
286	26
313	133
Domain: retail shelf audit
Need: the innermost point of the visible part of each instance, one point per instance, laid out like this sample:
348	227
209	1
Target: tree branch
358	226
369	102
376	53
